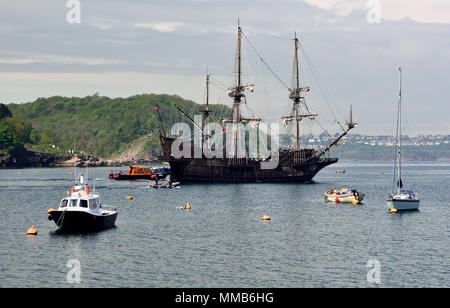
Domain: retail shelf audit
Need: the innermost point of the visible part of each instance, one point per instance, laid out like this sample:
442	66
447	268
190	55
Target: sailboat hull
404	205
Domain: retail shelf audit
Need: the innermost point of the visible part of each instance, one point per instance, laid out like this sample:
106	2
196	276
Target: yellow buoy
187	206
129	197
266	217
32	231
393	210
50	210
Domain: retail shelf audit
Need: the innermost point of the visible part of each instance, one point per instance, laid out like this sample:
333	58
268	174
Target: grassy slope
103	126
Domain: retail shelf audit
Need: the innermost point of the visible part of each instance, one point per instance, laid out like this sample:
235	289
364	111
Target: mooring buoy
32	231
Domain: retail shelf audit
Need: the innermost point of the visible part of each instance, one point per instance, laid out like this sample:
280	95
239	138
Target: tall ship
293	164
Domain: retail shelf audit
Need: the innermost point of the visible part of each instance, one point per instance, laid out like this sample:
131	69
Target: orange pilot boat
140	173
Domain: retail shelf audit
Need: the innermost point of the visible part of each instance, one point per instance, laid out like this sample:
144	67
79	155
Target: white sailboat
401	199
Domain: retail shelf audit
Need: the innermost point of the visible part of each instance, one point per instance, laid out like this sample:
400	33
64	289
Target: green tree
8	140
49	136
4	111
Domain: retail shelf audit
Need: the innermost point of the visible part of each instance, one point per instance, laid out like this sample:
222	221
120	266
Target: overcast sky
123	48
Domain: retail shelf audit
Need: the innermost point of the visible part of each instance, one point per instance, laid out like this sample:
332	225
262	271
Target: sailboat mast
399	184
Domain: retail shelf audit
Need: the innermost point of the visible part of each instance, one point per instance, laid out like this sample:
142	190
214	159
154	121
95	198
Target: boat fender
49	212
88	191
73	189
337	200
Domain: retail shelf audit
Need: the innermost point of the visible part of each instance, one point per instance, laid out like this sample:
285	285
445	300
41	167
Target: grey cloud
356	60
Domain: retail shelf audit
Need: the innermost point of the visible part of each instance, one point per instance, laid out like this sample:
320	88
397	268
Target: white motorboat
82	211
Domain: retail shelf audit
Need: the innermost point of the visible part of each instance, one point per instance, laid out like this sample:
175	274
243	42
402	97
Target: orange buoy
129	198
187	206
32	231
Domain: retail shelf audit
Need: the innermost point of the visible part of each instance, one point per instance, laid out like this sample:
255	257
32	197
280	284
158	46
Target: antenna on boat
75	171
95	180
87	173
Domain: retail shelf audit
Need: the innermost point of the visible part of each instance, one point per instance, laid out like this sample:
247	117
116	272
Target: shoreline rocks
35	159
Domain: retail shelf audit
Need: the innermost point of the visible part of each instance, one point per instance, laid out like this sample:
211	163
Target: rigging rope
264	62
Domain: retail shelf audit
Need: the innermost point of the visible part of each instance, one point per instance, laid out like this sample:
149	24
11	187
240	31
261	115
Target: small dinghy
165	185
81	211
344	195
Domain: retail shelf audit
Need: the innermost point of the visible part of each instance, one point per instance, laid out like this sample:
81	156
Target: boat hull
350	198
165	185
128	177
247	171
404	205
77	221
293	166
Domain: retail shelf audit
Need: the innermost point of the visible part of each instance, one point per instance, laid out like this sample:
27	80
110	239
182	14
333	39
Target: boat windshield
92	203
73	202
84	203
64	203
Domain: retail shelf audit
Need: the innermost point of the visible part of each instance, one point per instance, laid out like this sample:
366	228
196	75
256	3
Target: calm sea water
222	241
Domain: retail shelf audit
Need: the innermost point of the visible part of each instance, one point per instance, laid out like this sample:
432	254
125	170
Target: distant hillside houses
388	141
421	140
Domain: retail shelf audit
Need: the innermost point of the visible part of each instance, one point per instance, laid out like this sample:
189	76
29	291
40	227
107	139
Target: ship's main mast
296	96
237	93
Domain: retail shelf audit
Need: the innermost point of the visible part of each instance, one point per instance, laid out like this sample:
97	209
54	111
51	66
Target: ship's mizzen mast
296	96
206	110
